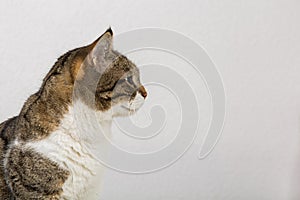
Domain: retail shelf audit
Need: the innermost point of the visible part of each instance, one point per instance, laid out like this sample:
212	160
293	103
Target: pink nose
143	91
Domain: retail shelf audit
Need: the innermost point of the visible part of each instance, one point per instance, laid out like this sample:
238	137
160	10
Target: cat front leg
29	175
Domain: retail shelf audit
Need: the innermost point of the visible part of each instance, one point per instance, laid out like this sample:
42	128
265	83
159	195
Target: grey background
255	45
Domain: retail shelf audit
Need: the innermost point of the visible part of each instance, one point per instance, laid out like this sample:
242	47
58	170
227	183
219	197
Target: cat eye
129	80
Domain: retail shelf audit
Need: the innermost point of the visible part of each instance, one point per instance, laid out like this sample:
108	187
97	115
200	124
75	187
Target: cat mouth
127	108
133	106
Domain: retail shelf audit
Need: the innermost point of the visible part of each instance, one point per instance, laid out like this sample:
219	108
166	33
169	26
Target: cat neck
86	124
78	144
42	114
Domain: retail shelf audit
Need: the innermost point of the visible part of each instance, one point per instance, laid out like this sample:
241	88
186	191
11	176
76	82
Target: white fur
69	146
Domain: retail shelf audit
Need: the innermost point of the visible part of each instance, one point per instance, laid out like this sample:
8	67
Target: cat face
118	87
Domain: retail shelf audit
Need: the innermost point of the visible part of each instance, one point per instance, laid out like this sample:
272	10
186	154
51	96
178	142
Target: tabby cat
45	151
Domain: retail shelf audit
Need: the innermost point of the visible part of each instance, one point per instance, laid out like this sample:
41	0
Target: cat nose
142	91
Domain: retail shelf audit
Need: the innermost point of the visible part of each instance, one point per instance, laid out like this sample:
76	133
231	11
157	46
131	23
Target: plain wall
255	45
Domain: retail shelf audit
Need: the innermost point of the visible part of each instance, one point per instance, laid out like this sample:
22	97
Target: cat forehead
123	63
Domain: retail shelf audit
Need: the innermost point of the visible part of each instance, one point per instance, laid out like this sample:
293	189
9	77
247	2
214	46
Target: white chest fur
69	147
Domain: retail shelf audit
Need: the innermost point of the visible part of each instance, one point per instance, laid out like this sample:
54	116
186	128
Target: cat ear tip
109	30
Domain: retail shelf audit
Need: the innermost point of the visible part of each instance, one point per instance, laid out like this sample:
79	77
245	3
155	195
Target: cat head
108	81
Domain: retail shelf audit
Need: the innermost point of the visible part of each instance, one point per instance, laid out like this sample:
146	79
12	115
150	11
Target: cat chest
86	172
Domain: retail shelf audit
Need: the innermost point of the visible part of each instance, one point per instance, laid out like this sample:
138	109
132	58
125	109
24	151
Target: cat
45	149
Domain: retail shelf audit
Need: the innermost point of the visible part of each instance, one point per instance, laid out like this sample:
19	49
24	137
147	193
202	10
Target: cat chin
123	111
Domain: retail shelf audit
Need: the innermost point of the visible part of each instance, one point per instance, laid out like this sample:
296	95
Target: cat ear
101	48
